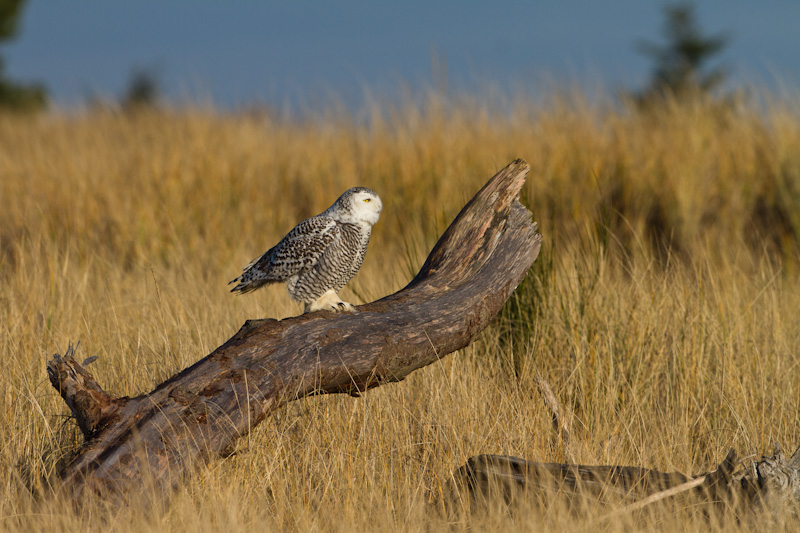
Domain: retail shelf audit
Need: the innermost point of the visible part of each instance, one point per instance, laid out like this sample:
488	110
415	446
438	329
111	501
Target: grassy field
662	310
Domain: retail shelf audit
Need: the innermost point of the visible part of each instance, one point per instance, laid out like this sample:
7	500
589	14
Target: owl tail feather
249	285
242	287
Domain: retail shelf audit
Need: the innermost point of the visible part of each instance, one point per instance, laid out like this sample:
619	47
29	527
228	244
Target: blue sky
242	52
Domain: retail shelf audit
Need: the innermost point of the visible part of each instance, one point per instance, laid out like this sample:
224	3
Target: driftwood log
161	437
771	483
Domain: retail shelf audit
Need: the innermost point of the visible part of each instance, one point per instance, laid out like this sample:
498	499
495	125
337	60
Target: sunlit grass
661	310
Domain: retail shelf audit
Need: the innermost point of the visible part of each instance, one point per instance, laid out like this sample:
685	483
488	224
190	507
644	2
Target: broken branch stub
195	415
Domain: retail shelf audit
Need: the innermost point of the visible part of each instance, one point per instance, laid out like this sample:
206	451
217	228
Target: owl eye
368	200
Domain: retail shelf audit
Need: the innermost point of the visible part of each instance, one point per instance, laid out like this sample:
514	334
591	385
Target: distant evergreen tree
679	62
13	95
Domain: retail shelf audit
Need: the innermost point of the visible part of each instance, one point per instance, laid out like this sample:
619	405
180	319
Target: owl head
358	204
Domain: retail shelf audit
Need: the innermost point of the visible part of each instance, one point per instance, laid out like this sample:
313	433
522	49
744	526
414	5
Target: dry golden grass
662	310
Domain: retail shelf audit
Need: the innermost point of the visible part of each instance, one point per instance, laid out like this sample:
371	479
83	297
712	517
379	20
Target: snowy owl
320	255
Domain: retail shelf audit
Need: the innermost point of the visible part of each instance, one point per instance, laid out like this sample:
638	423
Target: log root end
92	407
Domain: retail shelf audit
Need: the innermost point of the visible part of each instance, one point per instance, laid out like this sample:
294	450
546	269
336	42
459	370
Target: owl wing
296	253
301	249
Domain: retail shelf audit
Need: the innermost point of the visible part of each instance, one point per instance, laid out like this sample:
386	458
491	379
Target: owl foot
329	302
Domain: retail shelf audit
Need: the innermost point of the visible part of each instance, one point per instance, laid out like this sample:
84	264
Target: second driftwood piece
160	437
772	483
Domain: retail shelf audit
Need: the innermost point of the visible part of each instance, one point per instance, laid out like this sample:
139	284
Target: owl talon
346	307
329	302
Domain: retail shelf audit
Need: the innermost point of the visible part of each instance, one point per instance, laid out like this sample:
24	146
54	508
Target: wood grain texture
197	414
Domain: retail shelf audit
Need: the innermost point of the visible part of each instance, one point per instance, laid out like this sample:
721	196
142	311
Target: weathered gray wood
194	416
